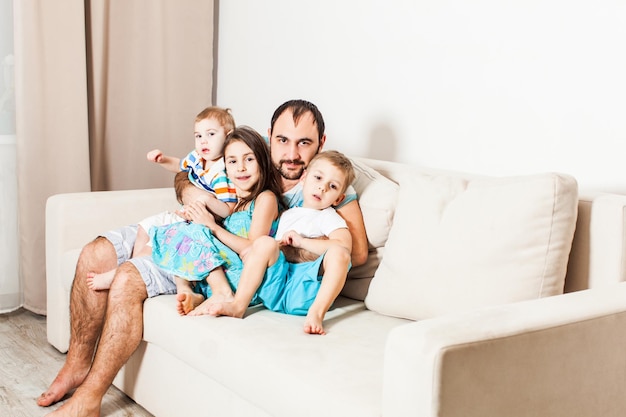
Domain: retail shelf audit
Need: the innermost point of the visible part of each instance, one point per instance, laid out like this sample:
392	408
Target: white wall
484	86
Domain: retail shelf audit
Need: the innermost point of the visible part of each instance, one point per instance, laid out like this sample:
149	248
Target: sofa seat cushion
267	355
462	242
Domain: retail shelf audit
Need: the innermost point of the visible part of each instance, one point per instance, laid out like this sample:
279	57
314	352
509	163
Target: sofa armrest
598	255
556	356
74	219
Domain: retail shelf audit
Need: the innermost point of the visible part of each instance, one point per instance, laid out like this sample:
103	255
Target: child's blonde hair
220	114
339	161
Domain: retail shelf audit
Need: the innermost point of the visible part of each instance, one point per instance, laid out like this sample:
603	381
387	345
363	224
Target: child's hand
155	155
182	212
198	213
291	238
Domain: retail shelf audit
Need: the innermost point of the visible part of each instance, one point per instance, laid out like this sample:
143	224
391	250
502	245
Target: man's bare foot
186	302
205	308
65	381
100	281
313	324
79	406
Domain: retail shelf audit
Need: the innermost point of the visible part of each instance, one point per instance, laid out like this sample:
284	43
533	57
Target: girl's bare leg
263	253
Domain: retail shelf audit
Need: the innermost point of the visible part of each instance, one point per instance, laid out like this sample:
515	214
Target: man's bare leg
335	265
121	334
263	253
186	299
86	317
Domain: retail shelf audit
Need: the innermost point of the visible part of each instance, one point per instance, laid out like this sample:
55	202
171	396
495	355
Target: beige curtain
10	288
98	84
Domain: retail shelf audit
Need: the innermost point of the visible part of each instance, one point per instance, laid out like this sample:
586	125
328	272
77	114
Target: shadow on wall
382	143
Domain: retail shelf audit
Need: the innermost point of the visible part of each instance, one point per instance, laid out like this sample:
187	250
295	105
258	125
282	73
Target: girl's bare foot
102	281
205	308
313	324
230	309
66	380
187	301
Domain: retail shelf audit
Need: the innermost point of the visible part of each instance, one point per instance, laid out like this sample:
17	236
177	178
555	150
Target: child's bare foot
205	308
187	301
100	281
313	324
66	380
227	309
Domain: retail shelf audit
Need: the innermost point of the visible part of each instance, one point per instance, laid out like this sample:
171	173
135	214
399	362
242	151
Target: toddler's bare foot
186	302
100	281
313	324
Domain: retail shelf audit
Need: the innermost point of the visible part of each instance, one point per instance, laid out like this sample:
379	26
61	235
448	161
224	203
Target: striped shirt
213	179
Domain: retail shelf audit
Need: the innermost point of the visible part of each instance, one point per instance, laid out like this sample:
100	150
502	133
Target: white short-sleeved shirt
310	223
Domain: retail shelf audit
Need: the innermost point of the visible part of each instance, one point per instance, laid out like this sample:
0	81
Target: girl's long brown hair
269	177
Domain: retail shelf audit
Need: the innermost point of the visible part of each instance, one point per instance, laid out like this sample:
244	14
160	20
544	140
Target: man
115	317
296	135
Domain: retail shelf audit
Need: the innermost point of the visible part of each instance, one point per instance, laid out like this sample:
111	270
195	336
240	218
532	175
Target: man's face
293	146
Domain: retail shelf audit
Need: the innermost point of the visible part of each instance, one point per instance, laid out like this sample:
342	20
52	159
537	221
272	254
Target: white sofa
465	315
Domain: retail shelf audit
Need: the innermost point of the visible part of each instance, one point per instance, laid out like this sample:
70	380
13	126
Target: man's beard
288	174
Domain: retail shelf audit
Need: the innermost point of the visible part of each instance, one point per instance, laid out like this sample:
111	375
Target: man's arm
353	217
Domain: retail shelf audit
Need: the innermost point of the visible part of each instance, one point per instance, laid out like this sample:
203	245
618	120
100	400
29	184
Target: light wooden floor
28	364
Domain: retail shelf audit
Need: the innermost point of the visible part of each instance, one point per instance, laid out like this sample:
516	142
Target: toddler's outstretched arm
170	163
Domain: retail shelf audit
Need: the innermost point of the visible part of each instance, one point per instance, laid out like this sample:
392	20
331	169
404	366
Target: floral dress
191	251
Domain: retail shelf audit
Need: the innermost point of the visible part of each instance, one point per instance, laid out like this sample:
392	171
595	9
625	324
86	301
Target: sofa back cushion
459	242
377	200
